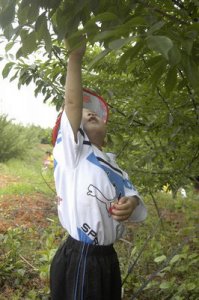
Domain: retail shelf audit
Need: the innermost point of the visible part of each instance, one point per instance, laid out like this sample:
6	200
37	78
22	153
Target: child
95	196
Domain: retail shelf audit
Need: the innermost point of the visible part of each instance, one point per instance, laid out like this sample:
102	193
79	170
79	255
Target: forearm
73	88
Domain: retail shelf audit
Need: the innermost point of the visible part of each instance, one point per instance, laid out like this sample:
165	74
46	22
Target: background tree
143	58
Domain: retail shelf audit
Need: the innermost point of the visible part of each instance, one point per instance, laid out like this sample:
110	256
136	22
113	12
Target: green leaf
7	69
174	56
14	76
29	43
191	70
28	12
42	32
48	41
157	73
106	16
63	79
187	45
150	62
7	14
155	27
9	32
194	26
161	44
165	285
160	259
41	26
175	259
50	3
98	58
133	252
33	11
171	80
131	53
22	12
119	43
136	21
19	53
104	35
9	46
190	286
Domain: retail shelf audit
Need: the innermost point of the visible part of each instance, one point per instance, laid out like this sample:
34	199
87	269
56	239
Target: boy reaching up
95	196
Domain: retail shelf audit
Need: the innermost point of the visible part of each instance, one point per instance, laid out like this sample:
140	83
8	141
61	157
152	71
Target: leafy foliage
150	27
16	140
145	65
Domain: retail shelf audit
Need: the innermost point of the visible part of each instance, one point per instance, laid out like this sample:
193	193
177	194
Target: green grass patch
29	174
18	188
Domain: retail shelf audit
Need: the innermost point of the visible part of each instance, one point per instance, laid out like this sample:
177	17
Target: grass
26	252
28	174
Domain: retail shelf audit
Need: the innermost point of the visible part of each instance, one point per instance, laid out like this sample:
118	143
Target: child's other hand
122	210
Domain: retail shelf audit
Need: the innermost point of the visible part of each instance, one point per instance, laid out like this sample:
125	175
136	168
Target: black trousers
82	271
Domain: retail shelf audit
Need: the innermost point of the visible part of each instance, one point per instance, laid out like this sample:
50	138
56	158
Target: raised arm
73	88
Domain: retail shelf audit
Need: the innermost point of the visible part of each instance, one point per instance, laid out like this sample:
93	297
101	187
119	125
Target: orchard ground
30	234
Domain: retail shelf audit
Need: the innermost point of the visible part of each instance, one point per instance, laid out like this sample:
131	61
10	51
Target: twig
163	13
27	262
62	62
195	106
123	147
158	91
119	111
47	183
157	209
151	235
125	241
165	101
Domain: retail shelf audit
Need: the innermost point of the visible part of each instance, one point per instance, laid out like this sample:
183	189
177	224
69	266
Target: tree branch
157	209
195	106
158	91
151	235
173	18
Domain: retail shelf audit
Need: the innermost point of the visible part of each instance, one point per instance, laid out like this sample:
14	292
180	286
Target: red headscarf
91	101
56	128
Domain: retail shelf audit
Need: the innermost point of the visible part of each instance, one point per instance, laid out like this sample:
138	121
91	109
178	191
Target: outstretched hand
122	210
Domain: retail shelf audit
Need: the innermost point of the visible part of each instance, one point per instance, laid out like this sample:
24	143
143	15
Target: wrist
76	57
136	200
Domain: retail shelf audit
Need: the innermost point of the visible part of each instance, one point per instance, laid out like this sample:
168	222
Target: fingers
122	210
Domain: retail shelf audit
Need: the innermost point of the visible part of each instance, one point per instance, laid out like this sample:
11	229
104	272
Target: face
92	122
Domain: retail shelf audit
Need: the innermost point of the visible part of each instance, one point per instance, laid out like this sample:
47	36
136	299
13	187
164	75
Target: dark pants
82	271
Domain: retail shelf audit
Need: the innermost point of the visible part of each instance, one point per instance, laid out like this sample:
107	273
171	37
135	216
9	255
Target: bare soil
24	210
